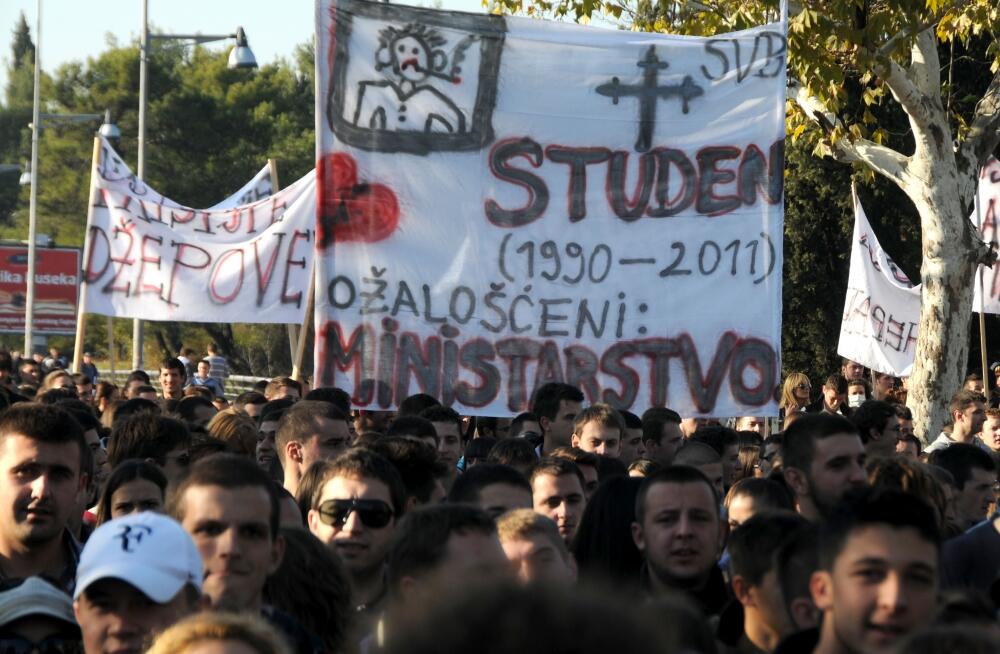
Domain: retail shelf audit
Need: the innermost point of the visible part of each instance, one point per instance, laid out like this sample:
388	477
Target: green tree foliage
209	130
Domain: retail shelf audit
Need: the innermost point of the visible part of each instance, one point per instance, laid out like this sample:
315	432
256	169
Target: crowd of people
167	517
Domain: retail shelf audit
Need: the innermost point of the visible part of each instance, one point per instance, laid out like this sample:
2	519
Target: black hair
545	403
603	546
800	437
414	404
872	414
753	543
411	425
468	485
335	396
676	474
960	458
875	506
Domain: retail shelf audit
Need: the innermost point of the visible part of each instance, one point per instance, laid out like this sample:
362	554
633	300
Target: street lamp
30	176
240	57
108	130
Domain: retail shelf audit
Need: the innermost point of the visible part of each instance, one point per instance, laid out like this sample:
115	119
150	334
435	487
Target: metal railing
235	384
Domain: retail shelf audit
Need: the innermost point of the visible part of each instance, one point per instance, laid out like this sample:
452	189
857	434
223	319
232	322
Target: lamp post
108	130
240	57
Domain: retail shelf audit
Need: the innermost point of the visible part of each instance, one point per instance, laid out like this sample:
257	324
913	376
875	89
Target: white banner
984	217
149	258
505	202
117	176
882	310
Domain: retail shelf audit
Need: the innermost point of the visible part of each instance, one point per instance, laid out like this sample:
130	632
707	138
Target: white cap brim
157	585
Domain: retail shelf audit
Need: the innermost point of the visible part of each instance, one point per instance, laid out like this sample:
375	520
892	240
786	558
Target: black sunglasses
374	514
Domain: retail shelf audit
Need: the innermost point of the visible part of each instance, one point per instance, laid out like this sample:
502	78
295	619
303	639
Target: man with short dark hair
680	534
851	369
754	581
359	500
267	428
599	429
707	460
232	511
661	434
968	412
832	397
41	453
280	388
448	427
878	576
196	411
418	465
494	488
823	459
440	547
557	490
309	431
588	462
172	377
415	427
726	442
164	441
878	427
556	405
975	474
138	575
251	403
632	447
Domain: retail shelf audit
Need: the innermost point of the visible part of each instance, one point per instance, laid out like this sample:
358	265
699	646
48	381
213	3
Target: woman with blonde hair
795	393
236	429
220	633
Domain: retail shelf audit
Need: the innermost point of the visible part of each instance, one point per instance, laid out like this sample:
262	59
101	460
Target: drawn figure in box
408	101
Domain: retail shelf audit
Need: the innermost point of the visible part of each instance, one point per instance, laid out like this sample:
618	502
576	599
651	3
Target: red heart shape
349	211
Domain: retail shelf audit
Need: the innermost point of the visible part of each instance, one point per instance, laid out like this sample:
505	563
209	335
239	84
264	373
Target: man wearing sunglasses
354	511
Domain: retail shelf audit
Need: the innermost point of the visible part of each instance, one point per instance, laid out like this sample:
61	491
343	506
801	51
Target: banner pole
81	305
111	347
300	351
293	335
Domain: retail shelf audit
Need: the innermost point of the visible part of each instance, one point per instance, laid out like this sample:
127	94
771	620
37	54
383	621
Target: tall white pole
137	335
29	308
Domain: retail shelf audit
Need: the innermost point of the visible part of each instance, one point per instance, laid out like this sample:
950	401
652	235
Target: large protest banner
57	281
504	202
984	216
148	257
882	309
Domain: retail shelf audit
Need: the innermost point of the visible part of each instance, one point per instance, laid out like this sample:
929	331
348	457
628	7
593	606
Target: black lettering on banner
404	299
449	370
470	304
757	354
581	371
705	389
264	276
613	363
217	297
144	258
386	367
332	295
659	351
370	297
496	293
709	176
538	192
475	357
547	318
549	368
578	159
630	209
517	352
583	314
91	275
423	362
286	297
180	249
666	205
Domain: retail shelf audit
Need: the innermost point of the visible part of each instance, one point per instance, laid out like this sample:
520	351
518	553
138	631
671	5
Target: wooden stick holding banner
293	335
300	351
81	306
111	346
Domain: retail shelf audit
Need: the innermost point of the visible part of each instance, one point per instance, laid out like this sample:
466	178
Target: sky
73	30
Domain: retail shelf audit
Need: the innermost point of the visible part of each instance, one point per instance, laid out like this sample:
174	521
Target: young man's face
172	381
731	467
753	423
39	487
231	528
681	532
536	559
991	433
670	441
329	439
883	585
599	439
560	498
449	444
632	447
203	369
560	430
116	618
838	466
266	451
973	501
971	418
497	499
852	370
362	547
832	398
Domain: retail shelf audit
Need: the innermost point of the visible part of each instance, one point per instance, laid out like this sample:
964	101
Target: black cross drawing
648	92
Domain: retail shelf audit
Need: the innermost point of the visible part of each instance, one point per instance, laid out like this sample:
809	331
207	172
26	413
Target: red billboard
57	281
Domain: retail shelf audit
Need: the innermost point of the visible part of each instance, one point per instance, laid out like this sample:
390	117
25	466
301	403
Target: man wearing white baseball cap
137	576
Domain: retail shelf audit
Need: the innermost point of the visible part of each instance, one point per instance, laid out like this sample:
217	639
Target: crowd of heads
167	516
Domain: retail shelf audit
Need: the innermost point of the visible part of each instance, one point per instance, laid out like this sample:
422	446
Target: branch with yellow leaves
881	159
